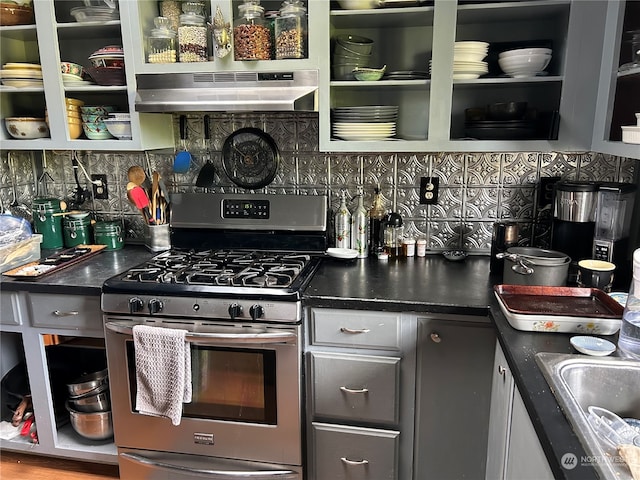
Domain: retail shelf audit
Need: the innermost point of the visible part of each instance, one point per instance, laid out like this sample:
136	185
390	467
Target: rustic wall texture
475	189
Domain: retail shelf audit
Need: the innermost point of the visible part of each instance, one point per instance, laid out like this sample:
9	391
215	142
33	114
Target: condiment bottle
291	30
359	234
409	247
629	337
343	224
421	247
161	42
392	234
192	37
251	36
377	213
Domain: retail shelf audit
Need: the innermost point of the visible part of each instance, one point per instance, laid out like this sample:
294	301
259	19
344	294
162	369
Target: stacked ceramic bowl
468	60
94	13
525	62
74	117
371	122
21	75
350	52
107	66
93	118
119	125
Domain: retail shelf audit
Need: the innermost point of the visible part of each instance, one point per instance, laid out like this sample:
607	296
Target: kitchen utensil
182	160
611	428
87	383
534	266
136	174
155	195
141	201
96	402
92	425
208	171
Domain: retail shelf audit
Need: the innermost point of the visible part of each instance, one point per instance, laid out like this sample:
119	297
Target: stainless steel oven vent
227	91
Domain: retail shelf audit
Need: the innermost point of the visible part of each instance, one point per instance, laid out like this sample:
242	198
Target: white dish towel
163	371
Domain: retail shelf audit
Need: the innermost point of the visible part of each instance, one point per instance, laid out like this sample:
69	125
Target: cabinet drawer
8	316
355	329
353	453
356	387
75	312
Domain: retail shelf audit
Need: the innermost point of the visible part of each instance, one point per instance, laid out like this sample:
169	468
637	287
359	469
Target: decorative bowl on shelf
367	74
121	129
13	14
72	68
26	128
107	76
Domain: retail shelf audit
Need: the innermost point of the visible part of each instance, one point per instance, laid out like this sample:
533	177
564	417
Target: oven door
222	420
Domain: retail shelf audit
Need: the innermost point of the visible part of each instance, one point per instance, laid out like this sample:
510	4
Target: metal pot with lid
535	266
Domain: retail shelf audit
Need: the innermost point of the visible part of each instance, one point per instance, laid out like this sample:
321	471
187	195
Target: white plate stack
371	122
468	59
21	75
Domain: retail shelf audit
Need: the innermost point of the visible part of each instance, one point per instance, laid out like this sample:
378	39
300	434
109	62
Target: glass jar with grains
161	42
251	36
171	9
192	38
291	30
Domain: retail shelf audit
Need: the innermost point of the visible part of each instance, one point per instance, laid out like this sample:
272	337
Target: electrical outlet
545	196
429	190
100	191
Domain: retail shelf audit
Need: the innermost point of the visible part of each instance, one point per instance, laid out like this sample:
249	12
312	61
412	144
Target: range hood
227	91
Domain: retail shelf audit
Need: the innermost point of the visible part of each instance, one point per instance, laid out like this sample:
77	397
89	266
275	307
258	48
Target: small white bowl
26	128
594	346
121	129
525	51
342	253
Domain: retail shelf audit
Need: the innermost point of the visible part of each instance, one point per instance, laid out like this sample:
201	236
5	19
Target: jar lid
192	19
163	28
250	10
47	203
409	241
292	7
107	227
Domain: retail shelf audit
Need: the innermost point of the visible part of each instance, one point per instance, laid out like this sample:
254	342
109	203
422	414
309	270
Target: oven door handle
230	338
213	474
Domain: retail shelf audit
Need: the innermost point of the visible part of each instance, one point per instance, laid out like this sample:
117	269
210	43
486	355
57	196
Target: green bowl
365	74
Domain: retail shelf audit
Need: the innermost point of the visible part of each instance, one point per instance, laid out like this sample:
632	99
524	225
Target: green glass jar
109	234
76	231
47	223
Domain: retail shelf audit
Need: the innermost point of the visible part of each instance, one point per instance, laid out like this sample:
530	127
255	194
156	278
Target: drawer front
356	387
355	329
8	316
353	453
74	312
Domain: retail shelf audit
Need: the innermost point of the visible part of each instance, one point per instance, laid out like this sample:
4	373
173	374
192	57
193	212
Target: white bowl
525	51
121	129
26	128
524	66
359	4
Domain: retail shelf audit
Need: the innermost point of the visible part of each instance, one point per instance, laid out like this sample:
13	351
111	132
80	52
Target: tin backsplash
475	189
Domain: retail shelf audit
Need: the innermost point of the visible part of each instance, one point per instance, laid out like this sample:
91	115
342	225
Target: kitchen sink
578	382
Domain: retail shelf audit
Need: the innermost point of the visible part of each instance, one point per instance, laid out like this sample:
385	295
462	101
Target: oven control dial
256	311
135	305
155	306
235	310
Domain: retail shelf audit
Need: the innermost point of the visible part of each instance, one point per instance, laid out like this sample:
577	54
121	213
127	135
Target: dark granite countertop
85	277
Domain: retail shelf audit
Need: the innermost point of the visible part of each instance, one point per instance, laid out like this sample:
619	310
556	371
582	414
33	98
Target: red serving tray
564	301
57	261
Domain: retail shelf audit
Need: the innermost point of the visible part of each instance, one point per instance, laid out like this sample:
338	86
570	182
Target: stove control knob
135	305
256	311
235	310
155	306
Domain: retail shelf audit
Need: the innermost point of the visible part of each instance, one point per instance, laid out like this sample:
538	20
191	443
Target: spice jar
409	247
251	36
421	247
171	9
192	38
291	30
161	42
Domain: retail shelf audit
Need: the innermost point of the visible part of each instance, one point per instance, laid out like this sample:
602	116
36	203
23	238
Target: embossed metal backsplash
475	189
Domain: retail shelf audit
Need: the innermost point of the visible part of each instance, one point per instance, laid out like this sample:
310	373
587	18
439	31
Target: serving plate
342	253
594	346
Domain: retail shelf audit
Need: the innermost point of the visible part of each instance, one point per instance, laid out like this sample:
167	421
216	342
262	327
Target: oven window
228	384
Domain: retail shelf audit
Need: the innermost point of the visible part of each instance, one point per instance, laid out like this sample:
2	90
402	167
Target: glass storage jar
192	38
291	30
251	36
171	9
161	42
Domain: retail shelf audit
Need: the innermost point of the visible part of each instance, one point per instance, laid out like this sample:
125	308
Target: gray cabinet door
354	453
500	417
7	314
453	393
357	388
348	328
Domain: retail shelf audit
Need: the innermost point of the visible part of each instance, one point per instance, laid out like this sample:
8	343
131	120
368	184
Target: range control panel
232	208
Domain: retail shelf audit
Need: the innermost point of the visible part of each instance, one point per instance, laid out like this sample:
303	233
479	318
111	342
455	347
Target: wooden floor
18	466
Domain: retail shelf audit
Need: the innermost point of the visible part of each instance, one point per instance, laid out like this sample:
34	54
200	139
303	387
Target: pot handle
521	266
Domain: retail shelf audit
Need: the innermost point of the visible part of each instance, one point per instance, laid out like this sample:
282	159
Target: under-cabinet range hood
227	91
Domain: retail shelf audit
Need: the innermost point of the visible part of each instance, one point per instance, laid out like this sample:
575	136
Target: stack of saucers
371	122
21	75
468	59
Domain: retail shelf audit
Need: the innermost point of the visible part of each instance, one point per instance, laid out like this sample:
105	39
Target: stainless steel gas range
233	280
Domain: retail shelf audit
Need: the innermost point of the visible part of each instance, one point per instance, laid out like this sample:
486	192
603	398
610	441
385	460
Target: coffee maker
574	219
614	208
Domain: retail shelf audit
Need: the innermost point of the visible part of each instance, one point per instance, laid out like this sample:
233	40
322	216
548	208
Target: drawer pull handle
436	338
354	390
501	370
58	313
354	462
351	330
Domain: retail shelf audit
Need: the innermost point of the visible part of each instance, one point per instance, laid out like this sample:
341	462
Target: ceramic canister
46	223
109	234
76	231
